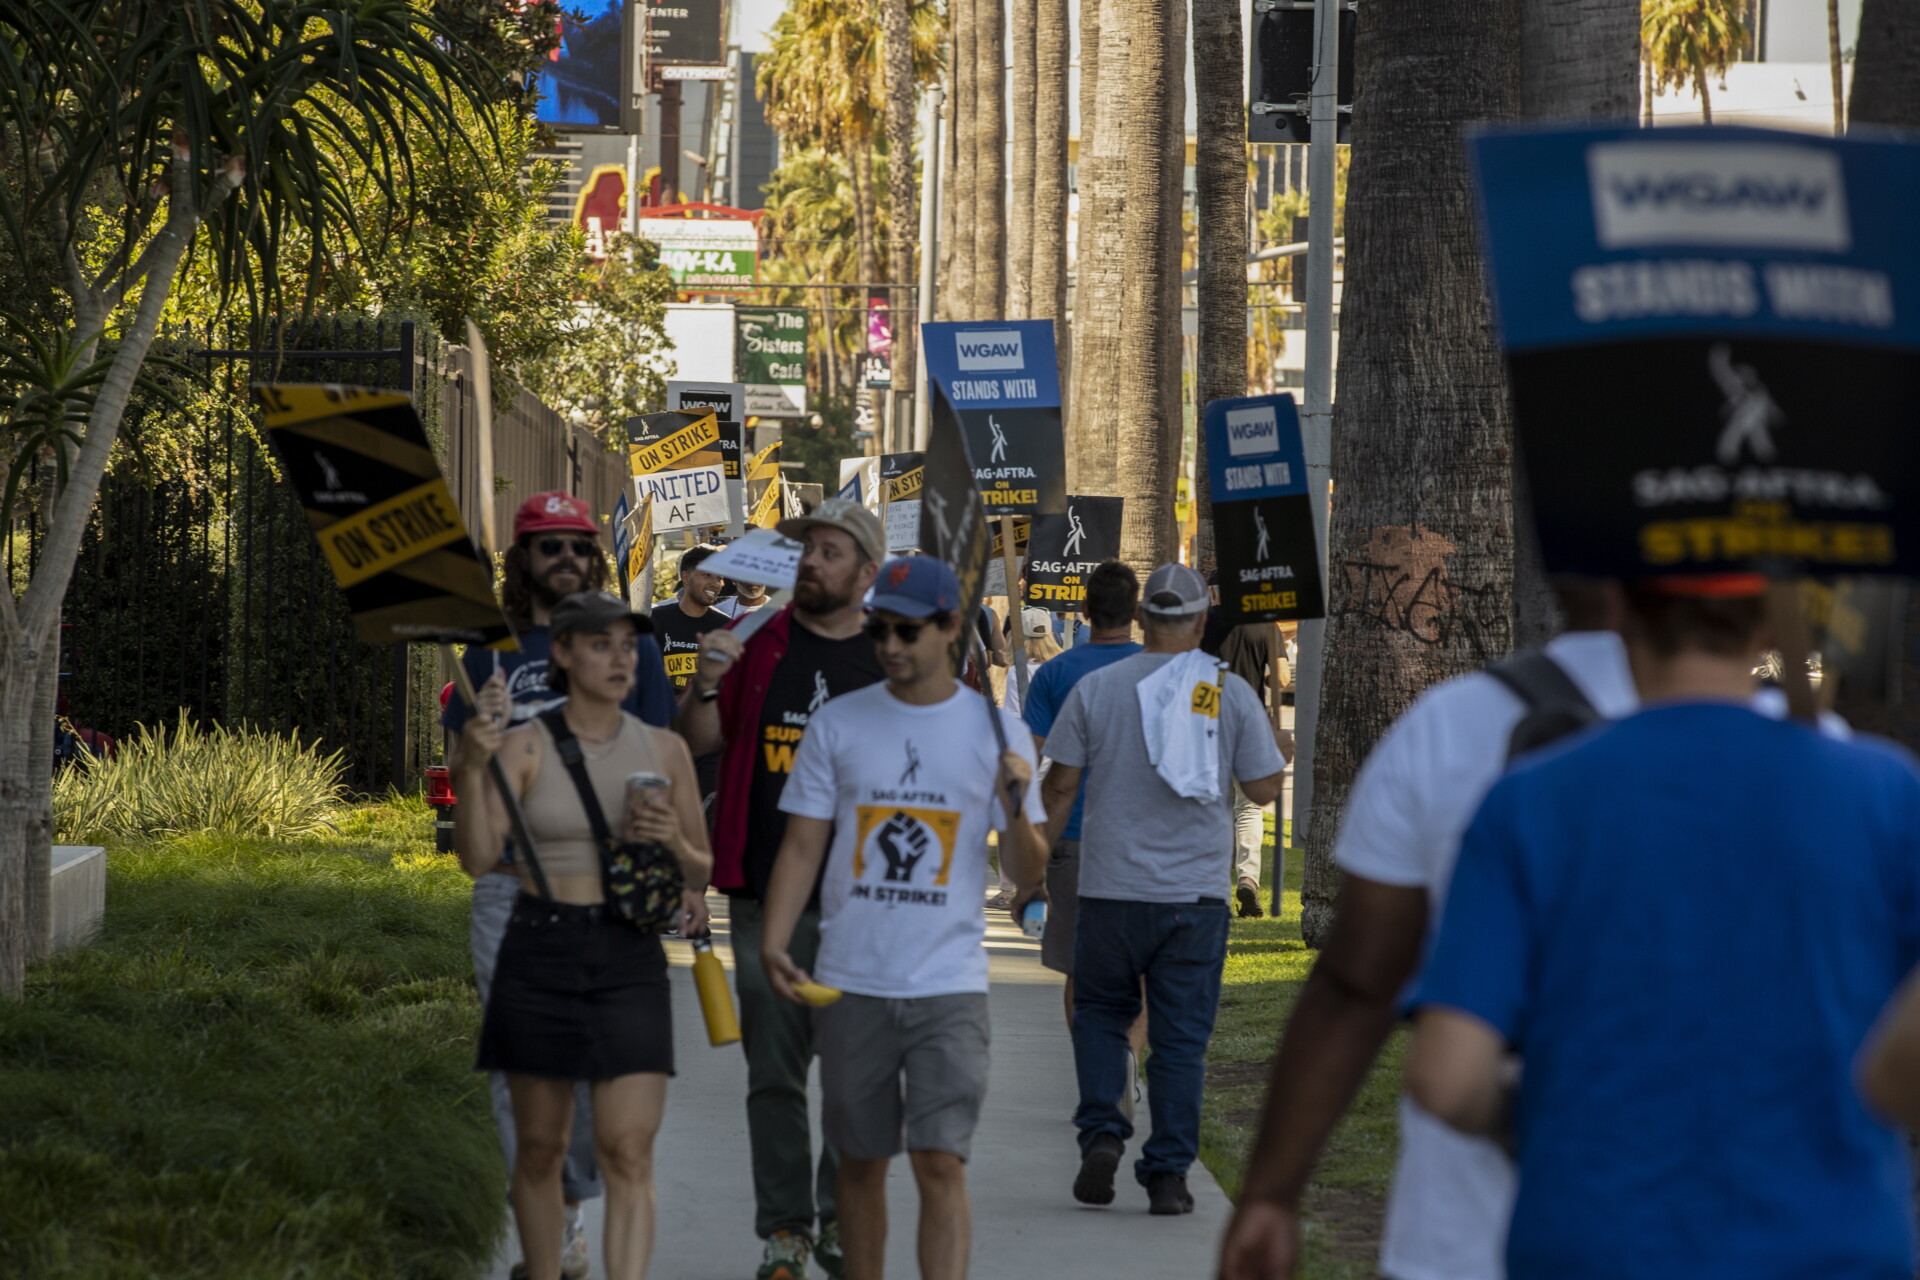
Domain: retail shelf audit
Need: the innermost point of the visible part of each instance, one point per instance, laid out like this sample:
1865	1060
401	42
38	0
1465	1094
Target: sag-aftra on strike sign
1002	380
1713	339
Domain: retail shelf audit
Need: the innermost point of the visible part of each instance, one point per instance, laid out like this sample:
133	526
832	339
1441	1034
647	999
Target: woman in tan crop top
577	993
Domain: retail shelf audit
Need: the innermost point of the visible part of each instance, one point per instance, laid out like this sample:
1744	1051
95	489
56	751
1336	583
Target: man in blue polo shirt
555	553
1113	593
1664	943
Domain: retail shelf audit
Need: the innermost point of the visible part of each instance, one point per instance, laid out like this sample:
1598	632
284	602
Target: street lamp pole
1317	418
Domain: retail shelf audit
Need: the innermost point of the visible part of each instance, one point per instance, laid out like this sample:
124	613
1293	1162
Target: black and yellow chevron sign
383	515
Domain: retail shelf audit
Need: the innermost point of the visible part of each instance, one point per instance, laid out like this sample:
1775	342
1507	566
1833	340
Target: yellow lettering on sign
1261	601
1009	497
387	534
664	455
1672	542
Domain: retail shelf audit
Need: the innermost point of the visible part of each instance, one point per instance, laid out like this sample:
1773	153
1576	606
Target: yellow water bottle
716	1002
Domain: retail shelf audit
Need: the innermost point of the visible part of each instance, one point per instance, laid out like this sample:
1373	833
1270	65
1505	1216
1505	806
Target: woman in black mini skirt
578	994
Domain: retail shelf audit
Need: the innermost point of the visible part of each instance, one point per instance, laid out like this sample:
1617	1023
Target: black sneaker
1094	1185
1167	1195
1247	895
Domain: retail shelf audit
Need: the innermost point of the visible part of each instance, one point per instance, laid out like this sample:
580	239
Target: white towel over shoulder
1180	714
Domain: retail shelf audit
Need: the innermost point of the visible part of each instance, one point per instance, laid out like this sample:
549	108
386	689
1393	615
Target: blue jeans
1179	948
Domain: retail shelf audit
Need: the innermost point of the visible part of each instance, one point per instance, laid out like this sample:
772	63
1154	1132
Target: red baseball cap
553	512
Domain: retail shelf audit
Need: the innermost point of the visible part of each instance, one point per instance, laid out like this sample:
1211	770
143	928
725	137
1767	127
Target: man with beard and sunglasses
751	702
555	553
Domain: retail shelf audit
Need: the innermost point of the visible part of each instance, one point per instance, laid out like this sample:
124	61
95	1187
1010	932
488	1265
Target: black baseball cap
592	611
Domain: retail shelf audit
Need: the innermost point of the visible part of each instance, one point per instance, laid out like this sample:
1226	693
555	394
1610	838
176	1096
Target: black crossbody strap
569	748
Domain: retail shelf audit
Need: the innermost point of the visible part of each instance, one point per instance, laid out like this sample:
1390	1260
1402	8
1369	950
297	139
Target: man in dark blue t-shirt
1113	592
1683	924
555	553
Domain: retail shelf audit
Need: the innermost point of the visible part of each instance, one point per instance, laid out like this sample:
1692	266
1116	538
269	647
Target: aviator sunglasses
584	548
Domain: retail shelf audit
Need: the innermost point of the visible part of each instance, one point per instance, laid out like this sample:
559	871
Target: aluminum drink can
642	787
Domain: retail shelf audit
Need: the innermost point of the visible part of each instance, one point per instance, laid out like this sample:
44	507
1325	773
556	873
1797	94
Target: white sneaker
574	1263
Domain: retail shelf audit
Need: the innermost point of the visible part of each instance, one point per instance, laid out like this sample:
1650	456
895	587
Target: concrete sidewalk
1025	1220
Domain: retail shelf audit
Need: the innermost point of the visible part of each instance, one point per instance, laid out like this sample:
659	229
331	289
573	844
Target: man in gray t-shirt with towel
1161	737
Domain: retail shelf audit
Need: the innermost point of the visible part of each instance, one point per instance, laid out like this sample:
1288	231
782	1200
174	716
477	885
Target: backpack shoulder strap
1540	682
1556	706
568	748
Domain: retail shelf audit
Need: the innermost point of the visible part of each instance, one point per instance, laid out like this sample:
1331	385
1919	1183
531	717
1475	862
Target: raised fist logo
903	842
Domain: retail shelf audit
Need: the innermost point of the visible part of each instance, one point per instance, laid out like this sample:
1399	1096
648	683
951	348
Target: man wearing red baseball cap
555	552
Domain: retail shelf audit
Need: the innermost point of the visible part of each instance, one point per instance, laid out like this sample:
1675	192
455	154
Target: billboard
686	33
707	255
772	360
581	88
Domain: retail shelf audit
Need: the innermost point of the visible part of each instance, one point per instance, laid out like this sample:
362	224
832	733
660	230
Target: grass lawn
262	1069
1266	964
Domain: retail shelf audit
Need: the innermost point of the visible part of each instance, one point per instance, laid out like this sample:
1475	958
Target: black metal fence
199	589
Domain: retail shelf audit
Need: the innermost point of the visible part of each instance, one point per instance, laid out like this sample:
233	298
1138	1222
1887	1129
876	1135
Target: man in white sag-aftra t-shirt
905	779
1410	805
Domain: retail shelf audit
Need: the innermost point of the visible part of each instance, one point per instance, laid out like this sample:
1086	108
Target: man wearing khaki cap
751	702
1160	738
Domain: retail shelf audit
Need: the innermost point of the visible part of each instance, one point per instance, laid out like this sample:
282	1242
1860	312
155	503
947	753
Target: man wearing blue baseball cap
903	780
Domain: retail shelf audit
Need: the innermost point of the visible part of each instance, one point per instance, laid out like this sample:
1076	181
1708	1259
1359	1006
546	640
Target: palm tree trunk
1098	295
1579	60
1706	100
990	160
902	199
1047	271
1646	85
1886	65
1024	17
1172	341
1220	178
1420	552
1886	93
1833	63
964	173
1143	476
860	166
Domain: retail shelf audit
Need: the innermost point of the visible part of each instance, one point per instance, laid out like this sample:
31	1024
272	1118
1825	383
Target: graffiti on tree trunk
1398	582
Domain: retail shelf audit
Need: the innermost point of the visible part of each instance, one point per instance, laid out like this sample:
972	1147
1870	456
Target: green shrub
232	781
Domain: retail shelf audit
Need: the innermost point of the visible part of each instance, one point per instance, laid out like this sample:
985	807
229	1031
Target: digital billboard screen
580	89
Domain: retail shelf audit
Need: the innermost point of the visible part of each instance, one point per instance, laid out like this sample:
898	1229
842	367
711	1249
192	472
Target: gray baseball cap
849	517
1174	591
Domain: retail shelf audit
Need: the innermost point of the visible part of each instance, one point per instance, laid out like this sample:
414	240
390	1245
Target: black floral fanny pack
643	882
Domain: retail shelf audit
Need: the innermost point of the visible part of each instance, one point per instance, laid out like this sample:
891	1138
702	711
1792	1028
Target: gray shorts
902	1068
1063	907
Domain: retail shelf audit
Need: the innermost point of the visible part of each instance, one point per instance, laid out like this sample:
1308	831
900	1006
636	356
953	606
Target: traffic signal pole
1317	414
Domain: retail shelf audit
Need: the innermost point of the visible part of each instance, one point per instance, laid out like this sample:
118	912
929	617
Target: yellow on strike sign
390	533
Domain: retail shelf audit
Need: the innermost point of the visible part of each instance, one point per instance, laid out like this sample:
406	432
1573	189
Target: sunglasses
878	629
584	548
